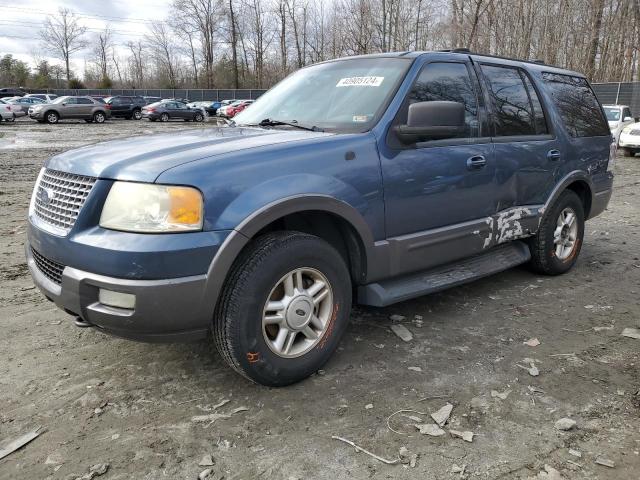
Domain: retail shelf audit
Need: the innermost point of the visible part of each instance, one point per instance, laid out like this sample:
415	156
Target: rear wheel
556	246
99	117
284	308
137	114
629	152
199	117
164	117
51	117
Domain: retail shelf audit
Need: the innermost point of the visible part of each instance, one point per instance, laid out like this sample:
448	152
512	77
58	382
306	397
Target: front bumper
629	141
165	310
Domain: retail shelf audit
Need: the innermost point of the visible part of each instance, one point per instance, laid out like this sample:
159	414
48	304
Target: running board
414	285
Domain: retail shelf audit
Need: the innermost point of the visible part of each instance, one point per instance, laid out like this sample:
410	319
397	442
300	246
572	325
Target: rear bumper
603	188
165	310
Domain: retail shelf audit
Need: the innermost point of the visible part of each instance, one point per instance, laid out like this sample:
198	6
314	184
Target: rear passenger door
527	153
85	107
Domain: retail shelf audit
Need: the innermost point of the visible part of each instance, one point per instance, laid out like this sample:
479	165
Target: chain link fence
192	94
619	93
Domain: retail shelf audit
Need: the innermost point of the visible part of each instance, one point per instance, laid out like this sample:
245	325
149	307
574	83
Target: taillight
107	106
150	109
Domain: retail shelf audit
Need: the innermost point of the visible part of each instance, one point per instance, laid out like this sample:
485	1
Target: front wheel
164	117
51	117
99	117
556	246
629	152
284	308
199	117
137	114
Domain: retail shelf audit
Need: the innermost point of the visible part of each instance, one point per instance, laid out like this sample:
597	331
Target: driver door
440	193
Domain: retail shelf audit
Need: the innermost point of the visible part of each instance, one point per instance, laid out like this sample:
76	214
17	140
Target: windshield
613	114
343	96
60	100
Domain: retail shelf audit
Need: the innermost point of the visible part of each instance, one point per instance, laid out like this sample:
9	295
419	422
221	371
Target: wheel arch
327	217
578	182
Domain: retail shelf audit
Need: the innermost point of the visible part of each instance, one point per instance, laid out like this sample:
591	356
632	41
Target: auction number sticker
360	82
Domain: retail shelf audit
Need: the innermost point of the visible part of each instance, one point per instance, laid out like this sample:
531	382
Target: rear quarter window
577	105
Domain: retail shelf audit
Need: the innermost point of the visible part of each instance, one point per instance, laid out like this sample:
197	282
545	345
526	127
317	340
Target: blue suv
371	179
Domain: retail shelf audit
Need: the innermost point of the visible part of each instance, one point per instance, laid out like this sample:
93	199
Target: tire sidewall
571	200
99	117
137	114
199	118
254	355
52	117
164	117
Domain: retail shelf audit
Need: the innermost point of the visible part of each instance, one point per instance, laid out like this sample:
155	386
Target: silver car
85	108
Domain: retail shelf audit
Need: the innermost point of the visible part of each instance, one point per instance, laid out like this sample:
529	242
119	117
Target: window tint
577	104
626	113
536	107
84	101
514	110
451	82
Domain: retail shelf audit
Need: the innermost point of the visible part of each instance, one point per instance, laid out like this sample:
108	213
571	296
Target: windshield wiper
270	122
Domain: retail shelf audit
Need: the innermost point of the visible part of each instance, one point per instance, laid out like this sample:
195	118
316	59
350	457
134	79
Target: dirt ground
131	405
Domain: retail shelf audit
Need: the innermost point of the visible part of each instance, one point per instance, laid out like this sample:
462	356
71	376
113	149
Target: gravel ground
131	405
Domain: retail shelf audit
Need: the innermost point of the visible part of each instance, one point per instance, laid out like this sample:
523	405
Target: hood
144	158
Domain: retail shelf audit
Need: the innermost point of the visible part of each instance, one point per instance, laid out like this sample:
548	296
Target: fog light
117	299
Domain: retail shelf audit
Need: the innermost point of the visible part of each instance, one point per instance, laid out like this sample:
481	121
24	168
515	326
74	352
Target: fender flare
252	224
561	186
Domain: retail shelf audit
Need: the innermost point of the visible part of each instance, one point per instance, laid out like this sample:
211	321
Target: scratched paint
506	226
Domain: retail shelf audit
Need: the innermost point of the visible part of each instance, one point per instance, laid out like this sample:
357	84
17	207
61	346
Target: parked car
26	102
630	139
86	108
204	106
47	97
126	106
11	92
232	111
151	100
373	179
213	107
618	116
11	110
170	110
226	110
224	103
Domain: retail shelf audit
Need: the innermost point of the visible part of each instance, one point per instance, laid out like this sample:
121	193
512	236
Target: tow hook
81	323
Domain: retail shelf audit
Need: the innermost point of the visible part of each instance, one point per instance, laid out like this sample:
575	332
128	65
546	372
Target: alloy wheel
565	234
297	312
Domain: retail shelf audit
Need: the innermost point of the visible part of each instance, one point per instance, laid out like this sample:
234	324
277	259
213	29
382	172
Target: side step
398	289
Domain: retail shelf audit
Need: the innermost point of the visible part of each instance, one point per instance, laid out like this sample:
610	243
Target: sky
21	21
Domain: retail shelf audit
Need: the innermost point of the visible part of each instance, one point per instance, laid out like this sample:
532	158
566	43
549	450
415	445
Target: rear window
577	104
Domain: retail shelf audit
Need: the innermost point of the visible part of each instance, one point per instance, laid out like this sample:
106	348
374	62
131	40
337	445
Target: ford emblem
47	195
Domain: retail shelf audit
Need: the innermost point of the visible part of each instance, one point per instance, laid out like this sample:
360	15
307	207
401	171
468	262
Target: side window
626	113
71	101
447	81
84	101
577	104
514	110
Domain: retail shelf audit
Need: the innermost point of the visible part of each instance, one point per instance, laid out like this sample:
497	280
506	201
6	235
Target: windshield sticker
360	82
360	118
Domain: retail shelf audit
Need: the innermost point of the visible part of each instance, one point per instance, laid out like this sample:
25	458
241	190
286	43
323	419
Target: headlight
150	208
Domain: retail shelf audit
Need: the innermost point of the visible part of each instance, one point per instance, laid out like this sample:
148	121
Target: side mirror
432	121
628	119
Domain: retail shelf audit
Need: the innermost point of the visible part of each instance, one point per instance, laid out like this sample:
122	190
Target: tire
547	256
51	117
164	117
248	345
99	117
199	117
11	119
137	114
628	152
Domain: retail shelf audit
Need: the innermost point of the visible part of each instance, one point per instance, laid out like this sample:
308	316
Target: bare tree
64	36
103	49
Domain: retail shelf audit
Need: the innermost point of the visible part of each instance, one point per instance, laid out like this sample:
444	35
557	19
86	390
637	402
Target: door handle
553	155
476	162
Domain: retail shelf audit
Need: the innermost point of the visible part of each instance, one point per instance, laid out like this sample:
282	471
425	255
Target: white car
47	97
9	112
630	139
618	116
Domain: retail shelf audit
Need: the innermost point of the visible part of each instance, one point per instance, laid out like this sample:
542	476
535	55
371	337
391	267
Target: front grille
634	132
50	269
59	197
